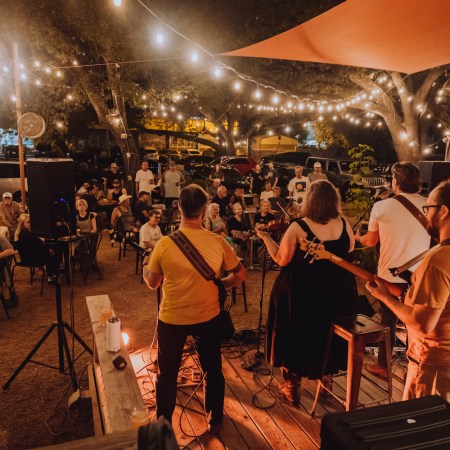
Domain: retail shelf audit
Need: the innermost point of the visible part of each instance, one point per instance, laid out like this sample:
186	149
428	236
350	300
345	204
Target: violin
277	226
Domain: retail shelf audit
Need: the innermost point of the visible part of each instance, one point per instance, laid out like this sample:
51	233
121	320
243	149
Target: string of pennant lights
280	101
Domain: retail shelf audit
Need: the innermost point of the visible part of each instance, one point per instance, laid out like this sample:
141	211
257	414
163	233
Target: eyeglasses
426	208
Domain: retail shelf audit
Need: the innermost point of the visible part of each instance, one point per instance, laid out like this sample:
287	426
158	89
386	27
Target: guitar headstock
316	250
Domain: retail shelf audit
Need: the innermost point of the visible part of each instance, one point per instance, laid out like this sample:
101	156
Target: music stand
63	346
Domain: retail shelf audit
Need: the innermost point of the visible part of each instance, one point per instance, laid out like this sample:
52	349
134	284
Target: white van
185	152
151	153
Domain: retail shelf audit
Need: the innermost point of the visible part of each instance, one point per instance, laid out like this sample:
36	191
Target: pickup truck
338	172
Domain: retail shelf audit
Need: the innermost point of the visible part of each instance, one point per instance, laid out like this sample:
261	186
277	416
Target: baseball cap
7	195
317	164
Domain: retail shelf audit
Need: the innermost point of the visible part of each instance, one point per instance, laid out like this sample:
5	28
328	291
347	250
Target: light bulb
117	2
159	38
194	57
237	86
258	94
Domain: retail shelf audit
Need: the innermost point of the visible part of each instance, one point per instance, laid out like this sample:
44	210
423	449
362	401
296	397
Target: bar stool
358	331
243	292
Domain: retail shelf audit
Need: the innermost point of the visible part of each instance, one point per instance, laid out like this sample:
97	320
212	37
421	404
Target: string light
194	57
117	3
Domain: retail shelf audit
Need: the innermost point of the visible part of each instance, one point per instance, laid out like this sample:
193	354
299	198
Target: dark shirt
263	220
218	175
235	199
138	208
257	182
234	225
110	177
223	203
272	175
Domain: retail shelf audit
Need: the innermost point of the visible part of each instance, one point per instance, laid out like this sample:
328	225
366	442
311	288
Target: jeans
388	319
171	340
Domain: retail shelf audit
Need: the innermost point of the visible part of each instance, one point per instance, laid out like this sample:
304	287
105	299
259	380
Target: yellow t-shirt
431	288
187	297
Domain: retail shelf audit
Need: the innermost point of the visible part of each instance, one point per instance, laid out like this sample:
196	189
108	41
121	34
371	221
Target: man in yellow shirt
190	306
426	309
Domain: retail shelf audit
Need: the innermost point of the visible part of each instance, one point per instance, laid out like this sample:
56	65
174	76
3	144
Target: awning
400	35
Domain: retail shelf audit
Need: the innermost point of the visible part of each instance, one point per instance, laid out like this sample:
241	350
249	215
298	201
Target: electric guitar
318	251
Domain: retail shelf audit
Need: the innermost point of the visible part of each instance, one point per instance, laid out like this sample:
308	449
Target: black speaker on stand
433	172
51	187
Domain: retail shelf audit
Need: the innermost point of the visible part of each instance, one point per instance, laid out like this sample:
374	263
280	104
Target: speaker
51	188
433	172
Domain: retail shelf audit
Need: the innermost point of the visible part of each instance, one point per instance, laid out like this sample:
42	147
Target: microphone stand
373	199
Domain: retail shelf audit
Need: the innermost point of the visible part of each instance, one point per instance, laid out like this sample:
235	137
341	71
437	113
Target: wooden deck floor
254	416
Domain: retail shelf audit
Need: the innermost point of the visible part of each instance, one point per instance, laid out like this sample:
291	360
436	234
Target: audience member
264	216
111	175
213	222
171	182
298	185
267	193
150	233
9	215
271	175
123	210
317	173
277	203
222	200
217	173
116	192
141	208
256	183
145	181
212	190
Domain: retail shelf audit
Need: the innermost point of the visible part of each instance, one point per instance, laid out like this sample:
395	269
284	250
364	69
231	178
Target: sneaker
289	393
376	370
51	280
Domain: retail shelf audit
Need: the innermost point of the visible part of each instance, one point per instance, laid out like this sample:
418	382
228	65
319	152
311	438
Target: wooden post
18	114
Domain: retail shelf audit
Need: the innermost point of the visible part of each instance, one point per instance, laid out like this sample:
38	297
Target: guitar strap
413	210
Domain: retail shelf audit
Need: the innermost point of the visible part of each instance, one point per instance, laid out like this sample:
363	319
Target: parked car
243	164
291	158
338	172
233	178
186	152
191	162
149	153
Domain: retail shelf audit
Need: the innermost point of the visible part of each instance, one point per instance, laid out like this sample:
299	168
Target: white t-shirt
265	195
149	234
146	180
298	186
402	237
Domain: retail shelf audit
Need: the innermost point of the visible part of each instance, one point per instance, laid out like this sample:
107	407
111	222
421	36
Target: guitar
318	251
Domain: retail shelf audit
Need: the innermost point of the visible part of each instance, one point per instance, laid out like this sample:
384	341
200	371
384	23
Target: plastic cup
139	417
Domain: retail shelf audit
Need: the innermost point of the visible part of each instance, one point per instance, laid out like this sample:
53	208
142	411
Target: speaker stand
63	346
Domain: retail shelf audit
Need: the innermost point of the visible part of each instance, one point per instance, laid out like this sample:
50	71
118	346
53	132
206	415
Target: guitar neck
393	288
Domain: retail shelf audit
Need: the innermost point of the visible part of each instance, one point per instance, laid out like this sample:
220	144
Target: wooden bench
117	390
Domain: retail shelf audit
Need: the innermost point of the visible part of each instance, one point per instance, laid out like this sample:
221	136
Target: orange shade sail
406	36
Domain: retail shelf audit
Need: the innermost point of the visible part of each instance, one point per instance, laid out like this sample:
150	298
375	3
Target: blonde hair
20	225
81	200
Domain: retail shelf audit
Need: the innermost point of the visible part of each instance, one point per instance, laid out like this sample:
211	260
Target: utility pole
19	114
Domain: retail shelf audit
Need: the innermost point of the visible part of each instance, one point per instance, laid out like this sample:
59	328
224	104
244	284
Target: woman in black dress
306	297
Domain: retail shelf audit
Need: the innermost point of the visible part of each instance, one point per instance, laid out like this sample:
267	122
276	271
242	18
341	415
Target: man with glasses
401	237
426	307
150	233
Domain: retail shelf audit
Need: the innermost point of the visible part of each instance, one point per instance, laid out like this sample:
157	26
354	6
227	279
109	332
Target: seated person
116	191
212	190
32	249
216	173
264	216
277	203
87	226
221	199
141	208
239	228
213	222
150	233
9	215
266	193
123	210
237	197
84	187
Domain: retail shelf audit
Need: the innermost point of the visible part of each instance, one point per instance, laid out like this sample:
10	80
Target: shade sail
401	35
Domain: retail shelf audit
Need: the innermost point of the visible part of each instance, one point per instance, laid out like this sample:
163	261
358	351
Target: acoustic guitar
318	251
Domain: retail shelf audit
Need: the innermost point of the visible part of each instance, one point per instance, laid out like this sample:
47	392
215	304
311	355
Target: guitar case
420	423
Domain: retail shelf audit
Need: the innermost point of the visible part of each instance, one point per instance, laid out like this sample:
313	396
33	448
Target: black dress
305	299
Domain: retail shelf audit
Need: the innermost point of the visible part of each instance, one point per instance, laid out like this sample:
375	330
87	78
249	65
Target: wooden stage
254	416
